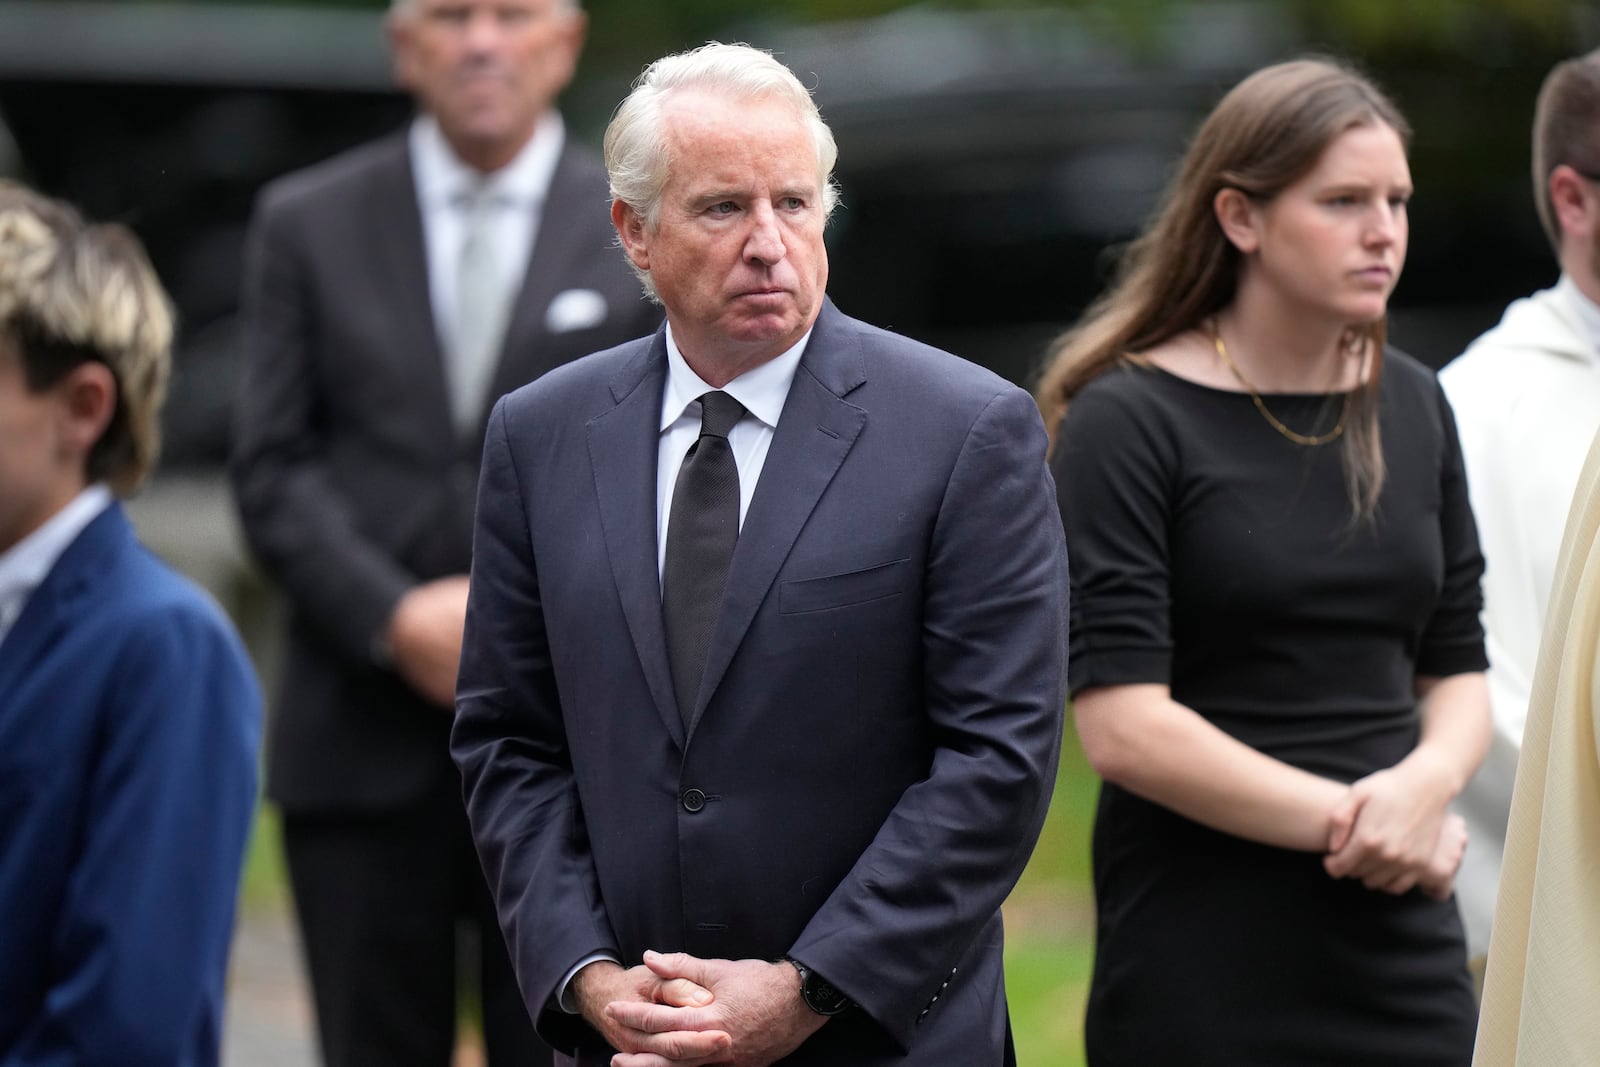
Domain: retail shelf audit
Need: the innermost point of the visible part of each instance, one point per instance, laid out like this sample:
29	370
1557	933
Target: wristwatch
820	995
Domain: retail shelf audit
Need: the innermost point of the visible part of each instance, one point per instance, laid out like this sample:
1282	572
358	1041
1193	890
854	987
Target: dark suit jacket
874	746
129	724
351	482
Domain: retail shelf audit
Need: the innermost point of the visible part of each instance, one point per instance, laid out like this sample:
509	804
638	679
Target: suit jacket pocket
842	590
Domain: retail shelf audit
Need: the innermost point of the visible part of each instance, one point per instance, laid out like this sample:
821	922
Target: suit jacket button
693	800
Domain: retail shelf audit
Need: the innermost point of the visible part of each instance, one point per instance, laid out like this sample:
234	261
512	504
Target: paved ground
269	1021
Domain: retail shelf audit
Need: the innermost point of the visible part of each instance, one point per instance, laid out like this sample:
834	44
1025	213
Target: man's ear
633	233
1240	221
1573	201
398	28
571	35
88	401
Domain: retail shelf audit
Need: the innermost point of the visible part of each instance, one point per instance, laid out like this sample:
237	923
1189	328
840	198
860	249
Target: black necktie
702	529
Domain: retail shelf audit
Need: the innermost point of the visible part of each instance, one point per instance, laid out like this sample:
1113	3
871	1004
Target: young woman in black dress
1276	654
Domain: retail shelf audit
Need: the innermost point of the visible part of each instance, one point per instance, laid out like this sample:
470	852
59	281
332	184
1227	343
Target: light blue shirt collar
26	564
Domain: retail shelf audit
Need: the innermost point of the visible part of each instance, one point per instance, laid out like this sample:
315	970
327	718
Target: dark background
991	159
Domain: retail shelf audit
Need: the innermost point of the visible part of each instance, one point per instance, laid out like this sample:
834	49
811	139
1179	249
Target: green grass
265	883
1049	918
1050	925
1046	982
1061	862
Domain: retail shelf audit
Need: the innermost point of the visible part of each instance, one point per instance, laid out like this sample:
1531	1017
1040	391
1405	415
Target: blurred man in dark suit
391	294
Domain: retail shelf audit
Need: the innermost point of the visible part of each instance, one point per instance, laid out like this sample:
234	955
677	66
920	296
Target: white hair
635	144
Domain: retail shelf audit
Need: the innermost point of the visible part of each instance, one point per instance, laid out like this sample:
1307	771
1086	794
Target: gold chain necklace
1261	406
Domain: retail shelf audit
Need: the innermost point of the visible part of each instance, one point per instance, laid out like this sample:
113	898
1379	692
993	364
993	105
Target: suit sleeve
138	960
294	516
509	741
994	647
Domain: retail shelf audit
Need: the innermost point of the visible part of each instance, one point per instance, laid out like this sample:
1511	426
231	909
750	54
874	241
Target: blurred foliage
1473	29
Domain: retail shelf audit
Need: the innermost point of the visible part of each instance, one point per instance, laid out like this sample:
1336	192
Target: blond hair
1265	134
71	292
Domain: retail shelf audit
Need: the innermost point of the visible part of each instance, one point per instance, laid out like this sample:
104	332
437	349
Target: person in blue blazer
761	692
129	712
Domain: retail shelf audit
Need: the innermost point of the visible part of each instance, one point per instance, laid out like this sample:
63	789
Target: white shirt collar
442	177
26	564
1587	311
762	390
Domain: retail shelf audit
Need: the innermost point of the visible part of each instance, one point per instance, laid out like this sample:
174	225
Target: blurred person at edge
1527	401
762	689
391	293
1543	975
1276	653
129	712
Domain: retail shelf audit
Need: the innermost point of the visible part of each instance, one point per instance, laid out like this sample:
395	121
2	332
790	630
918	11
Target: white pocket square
575	309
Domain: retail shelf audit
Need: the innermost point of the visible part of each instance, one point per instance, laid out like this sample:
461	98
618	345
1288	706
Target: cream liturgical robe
1541	998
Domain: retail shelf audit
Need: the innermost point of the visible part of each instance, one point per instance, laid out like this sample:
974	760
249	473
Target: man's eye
727	207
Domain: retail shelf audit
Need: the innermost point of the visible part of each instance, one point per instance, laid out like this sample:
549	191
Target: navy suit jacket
129	724
872	752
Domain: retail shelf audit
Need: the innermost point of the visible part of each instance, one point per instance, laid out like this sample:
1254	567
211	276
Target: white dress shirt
25	565
518	192
762	390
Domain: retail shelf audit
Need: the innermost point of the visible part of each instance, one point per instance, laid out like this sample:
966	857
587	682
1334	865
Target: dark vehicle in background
169	118
988	160
992	164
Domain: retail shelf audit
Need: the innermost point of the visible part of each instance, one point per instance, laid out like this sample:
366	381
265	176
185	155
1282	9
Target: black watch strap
820	995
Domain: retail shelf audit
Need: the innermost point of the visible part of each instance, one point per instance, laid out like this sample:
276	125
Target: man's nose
483	30
765	243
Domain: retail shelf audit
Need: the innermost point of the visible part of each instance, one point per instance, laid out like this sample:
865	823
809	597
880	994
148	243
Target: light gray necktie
483	306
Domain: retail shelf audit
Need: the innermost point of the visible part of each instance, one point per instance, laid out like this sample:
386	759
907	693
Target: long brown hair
1265	134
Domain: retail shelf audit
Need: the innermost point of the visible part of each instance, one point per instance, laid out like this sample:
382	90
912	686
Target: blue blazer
129	724
868	763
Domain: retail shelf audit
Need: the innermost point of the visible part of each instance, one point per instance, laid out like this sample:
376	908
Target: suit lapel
61	596
622	449
562	231
396	222
816	431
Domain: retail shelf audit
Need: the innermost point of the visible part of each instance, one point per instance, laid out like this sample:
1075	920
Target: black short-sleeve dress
1212	554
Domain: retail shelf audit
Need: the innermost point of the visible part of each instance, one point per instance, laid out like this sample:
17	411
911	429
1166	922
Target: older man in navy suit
761	692
129	713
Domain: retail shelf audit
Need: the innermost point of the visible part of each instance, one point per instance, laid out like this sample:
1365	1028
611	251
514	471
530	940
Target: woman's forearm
1138	737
